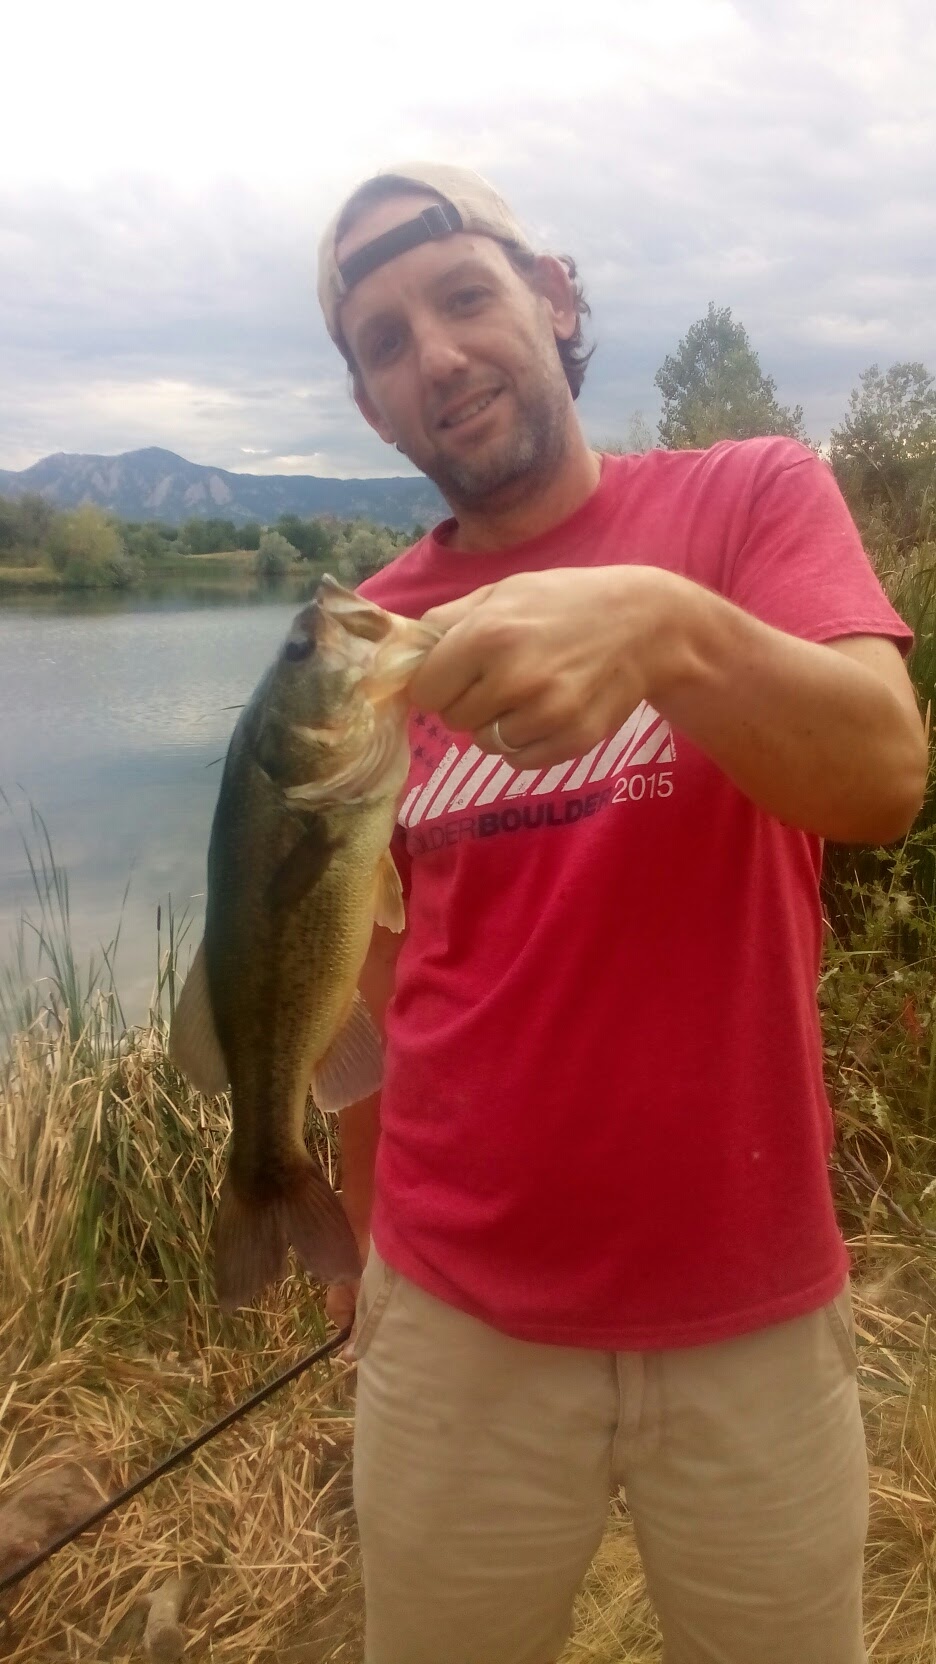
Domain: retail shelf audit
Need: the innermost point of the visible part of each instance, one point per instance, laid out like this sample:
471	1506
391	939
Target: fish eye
298	647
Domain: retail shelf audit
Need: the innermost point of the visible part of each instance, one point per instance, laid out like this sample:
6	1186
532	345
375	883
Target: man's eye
465	300
385	345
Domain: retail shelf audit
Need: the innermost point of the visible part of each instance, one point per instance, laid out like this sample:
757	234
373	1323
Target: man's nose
440	357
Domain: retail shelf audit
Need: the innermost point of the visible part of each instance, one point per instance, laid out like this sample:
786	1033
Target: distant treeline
87	547
712	387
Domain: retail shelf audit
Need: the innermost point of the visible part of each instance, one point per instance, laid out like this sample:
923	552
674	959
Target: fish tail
253	1234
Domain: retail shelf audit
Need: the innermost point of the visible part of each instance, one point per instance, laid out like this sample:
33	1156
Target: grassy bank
237	564
22	580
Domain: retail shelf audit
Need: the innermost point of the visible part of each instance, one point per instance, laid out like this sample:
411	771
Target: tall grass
112	1350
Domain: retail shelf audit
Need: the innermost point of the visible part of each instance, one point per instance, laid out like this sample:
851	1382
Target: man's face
456	357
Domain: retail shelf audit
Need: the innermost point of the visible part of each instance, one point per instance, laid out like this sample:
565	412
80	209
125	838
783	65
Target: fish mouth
374	648
332	614
361	744
342	606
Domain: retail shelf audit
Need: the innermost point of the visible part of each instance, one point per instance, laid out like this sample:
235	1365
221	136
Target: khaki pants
483	1468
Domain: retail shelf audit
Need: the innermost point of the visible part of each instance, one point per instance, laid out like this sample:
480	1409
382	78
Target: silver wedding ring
495	730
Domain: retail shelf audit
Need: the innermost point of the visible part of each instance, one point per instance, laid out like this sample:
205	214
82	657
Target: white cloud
164	181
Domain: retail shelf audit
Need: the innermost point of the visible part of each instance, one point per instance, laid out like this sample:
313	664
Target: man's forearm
358	1135
809	733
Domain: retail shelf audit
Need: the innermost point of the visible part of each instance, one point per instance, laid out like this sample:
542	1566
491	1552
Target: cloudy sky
165	171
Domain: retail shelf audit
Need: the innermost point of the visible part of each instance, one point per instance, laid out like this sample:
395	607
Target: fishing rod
174	1460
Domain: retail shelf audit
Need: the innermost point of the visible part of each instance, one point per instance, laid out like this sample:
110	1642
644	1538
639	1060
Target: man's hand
340	1301
341	1298
559	659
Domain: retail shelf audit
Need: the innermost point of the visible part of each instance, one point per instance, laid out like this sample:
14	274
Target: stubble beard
529	453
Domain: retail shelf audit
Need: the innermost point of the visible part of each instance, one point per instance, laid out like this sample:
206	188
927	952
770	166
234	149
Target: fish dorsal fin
352	1068
388	900
194	1046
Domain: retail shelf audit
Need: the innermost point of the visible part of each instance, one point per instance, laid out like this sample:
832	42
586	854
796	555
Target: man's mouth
464	412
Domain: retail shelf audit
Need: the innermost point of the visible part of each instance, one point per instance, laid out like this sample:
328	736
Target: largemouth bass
299	870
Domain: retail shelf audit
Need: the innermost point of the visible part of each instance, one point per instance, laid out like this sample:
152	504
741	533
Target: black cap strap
438	220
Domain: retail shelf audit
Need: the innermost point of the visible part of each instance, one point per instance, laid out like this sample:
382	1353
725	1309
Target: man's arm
826	737
359	1124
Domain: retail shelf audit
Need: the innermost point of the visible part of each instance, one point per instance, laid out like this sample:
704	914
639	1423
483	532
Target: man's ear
555	285
370	412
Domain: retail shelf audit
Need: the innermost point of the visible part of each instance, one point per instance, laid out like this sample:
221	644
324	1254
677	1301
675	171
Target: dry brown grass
111	1353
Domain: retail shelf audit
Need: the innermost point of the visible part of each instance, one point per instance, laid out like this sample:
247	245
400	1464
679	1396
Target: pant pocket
841	1320
377	1282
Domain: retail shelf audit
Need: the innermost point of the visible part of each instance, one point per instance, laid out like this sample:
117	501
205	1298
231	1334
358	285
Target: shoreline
233	564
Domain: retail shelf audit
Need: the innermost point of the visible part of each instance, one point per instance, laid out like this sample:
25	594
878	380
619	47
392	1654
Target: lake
116	708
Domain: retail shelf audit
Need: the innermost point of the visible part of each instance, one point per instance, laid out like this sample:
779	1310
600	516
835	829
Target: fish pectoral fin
388	899
194	1046
304	866
352	1068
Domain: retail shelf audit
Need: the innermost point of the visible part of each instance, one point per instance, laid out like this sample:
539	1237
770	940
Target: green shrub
274	556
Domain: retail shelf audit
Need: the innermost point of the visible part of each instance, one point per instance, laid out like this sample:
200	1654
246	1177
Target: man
602	1244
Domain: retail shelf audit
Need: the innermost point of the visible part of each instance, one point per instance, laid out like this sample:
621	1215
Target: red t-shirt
603	1121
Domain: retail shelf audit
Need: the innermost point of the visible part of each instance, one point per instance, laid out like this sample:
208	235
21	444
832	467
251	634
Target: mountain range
154	484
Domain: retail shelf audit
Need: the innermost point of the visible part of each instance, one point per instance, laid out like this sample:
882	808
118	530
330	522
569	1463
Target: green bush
362	552
274	556
312	539
87	549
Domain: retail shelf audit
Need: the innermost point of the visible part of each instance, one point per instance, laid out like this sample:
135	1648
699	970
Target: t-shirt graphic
459	791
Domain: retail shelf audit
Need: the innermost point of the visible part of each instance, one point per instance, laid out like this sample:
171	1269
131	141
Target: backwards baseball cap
467	203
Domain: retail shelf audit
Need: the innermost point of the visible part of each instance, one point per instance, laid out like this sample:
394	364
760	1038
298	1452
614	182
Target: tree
638	438
713	388
146	543
86	547
311	538
363	552
37	518
9	525
26	524
248	536
884	453
207	537
274	556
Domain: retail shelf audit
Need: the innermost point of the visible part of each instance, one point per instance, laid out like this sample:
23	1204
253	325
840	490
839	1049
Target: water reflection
116	711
